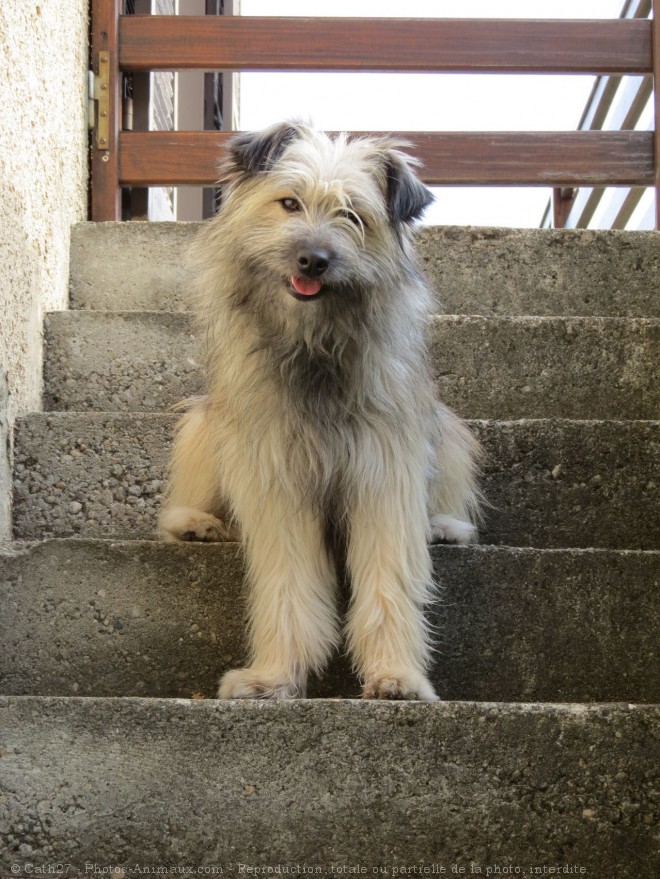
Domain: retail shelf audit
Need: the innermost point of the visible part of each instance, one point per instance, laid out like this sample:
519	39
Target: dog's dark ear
406	195
255	152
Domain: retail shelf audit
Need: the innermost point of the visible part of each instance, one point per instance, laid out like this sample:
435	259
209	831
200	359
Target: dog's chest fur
322	372
317	383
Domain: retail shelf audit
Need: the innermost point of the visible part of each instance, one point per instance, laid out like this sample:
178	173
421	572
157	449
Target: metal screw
105	158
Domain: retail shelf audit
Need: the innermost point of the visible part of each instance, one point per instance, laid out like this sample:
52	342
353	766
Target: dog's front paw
254	683
188	524
446	529
399	686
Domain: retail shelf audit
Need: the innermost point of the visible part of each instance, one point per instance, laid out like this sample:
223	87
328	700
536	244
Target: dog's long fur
320	417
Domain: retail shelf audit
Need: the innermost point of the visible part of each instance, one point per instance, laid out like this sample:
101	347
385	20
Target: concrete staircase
545	752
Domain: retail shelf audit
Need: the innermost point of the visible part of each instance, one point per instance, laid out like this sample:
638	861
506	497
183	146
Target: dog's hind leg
291	599
194	509
454	497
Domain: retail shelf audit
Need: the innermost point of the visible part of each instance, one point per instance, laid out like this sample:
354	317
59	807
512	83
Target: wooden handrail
170	158
166	42
559	159
629	96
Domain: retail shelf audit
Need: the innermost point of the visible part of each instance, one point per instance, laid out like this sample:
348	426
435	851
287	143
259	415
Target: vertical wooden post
656	98
106	193
563	199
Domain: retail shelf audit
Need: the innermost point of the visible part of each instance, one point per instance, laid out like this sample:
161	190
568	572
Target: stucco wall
43	177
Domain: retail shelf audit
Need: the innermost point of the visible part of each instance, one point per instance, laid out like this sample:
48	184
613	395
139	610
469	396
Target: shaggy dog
320	429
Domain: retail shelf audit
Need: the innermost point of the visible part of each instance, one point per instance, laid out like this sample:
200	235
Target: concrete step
142	266
328	785
525	367
97	618
553	483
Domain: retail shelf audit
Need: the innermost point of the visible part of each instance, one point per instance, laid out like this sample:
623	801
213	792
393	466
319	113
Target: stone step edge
518	472
473	269
93	617
260	705
21	546
170	414
77	314
326	784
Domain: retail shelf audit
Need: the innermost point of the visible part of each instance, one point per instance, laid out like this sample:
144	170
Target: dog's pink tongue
306	287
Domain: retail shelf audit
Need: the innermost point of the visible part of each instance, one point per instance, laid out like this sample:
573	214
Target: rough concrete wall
5	473
43	176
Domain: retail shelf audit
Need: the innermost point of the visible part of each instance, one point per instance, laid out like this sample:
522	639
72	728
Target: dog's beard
269	295
316	347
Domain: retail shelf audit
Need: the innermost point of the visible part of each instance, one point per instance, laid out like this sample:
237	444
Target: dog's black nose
313	262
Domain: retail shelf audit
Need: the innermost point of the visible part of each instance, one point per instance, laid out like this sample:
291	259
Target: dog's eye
290	204
353	217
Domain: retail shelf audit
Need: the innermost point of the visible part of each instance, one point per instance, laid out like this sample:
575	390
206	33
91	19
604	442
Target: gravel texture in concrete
125	266
483	367
551	483
343	784
547	367
96	618
132	361
338	786
555	483
5	459
542	271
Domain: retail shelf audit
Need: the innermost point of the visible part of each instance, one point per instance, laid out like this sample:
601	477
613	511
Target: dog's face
311	217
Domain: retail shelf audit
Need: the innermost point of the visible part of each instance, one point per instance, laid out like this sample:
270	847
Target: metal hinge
99	102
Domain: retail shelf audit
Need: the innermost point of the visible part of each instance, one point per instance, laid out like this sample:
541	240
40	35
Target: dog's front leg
391	578
292	612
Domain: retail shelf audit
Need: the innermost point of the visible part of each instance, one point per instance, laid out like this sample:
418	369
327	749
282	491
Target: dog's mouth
305	289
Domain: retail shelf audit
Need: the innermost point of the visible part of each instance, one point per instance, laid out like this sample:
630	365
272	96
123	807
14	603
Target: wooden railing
615	103
564	159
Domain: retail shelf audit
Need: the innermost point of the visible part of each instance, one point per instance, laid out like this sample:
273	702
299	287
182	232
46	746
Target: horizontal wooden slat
527	158
471	45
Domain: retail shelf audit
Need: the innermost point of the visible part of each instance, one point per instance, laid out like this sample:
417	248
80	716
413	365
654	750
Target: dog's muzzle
313	263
